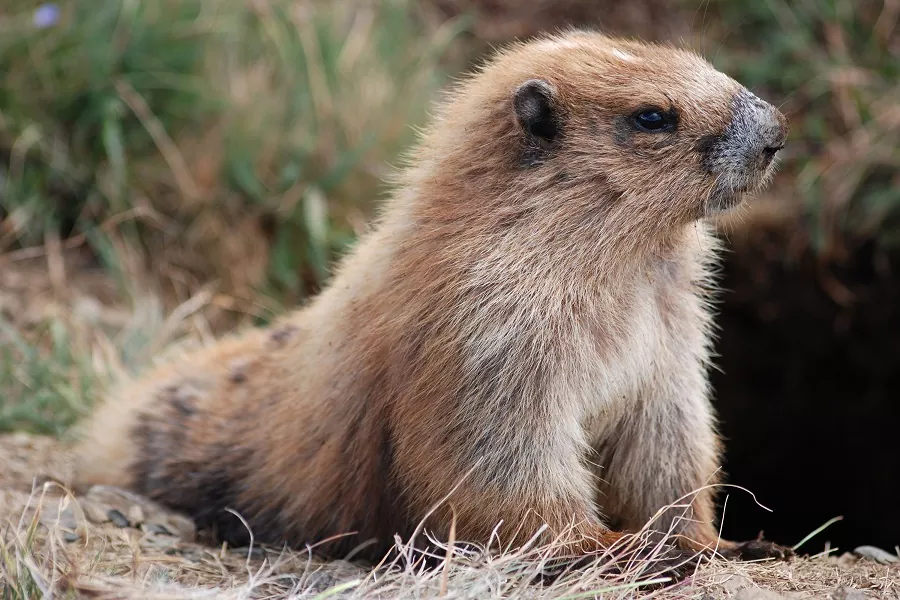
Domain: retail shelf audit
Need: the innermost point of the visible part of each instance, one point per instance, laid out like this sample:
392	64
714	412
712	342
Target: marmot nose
777	135
769	152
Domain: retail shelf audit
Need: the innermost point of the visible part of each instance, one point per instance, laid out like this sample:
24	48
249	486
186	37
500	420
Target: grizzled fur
524	333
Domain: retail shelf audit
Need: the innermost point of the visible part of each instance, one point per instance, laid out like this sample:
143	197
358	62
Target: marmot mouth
725	198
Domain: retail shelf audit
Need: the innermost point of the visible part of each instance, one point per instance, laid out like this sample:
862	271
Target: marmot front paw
757	550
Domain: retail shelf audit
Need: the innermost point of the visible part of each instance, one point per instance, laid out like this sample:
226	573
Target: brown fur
526	325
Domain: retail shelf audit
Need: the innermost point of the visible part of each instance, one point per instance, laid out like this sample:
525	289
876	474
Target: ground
110	544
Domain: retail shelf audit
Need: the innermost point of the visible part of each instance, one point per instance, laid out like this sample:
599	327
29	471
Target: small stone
181	526
66	518
876	554
161	542
71	536
847	593
118	519
157	529
135	515
94	512
757	594
256	553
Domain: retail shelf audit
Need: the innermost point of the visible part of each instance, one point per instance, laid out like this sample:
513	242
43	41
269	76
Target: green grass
45	382
211	122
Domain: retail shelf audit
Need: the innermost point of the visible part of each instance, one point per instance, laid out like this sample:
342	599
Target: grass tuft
45	392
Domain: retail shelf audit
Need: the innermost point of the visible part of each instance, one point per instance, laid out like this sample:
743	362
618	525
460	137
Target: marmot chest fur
521	341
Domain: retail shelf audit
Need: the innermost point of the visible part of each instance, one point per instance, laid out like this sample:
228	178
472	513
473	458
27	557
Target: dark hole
808	398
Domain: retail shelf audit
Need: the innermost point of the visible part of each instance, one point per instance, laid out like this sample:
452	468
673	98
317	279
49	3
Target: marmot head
650	127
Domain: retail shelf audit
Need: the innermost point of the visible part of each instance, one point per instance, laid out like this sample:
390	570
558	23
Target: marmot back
524	334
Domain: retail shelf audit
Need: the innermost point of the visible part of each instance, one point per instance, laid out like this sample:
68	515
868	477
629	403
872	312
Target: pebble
847	593
118	519
255	553
157	529
135	515
94	512
66	519
876	554
71	536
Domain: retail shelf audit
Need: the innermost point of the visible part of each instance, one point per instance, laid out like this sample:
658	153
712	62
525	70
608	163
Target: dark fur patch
181	397
535	153
706	147
203	490
623	132
238	371
206	482
562	178
281	336
184	406
199	482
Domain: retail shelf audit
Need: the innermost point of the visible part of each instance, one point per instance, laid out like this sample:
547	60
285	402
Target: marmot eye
655	121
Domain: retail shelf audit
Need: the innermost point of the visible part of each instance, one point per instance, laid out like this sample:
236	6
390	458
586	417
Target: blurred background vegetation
173	168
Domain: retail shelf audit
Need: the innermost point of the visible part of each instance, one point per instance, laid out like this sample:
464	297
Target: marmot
520	341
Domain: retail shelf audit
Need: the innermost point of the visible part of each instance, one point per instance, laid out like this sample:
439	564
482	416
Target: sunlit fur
519	321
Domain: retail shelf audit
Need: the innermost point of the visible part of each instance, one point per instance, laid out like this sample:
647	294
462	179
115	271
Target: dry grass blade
157	131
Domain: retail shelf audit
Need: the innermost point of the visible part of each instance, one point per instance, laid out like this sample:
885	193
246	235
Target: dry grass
53	543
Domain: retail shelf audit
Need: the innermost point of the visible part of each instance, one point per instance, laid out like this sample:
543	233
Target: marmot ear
534	108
